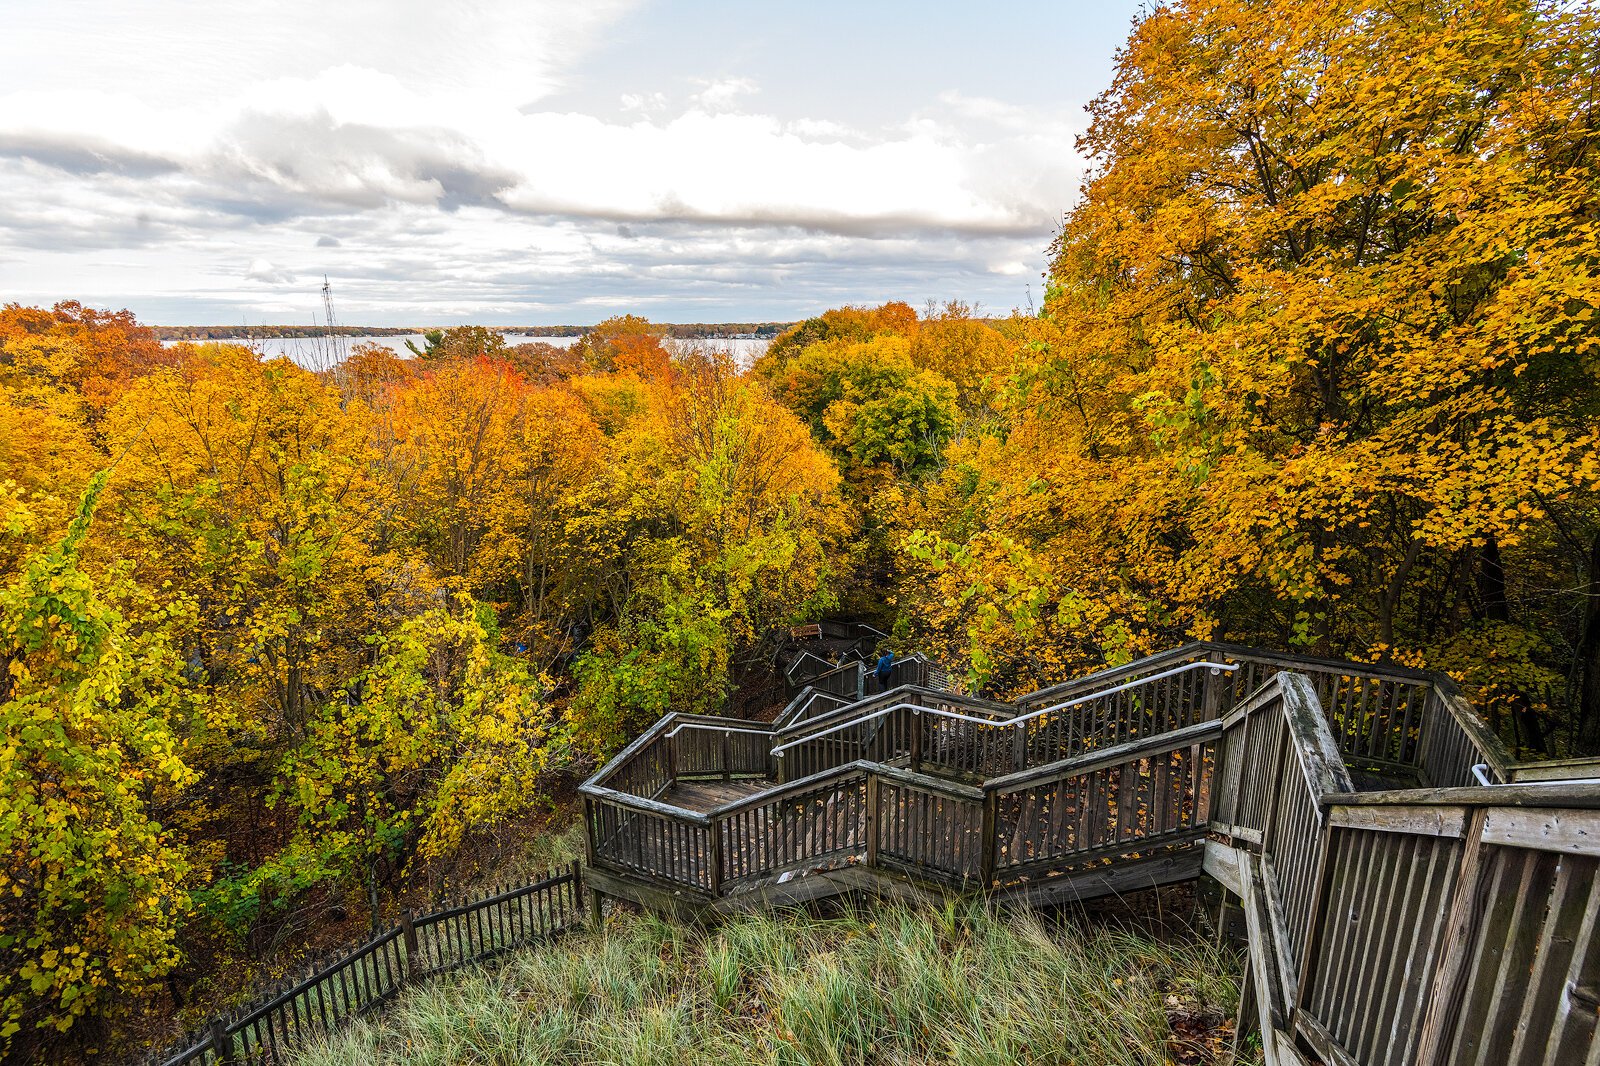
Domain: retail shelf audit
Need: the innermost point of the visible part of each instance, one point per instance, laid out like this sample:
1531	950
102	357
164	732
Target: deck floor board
702	796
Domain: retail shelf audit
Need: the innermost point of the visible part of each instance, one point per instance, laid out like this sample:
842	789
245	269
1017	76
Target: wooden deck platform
703	796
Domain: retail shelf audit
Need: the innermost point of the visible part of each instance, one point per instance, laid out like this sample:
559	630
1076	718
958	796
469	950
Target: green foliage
441	736
92	889
670	654
870	404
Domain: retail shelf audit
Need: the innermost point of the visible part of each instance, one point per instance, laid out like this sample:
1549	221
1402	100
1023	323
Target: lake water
311	351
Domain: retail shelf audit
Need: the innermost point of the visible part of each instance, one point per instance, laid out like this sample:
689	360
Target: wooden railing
807	704
357	982
1427	926
890	727
1154	792
980	739
1411	926
1129	801
1458	926
629	829
688	747
1386	719
855	680
849	681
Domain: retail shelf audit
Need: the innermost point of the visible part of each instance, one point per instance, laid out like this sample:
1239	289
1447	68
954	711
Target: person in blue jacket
884	670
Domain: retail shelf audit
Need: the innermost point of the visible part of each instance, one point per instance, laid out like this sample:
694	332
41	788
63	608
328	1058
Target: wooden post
873	786
1245	1024
727	755
1458	945
1019	747
988	846
596	897
221	1042
588	832
715	829
1212	706
408	933
916	740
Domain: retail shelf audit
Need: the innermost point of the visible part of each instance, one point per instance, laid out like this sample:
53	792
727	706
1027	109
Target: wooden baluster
989	843
221	1042
872	819
715	863
408	933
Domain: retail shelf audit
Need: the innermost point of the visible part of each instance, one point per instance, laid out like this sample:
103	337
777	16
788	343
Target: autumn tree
460	342
371	373
626	343
74	360
92	888
530	545
440	737
721	515
459	430
1332	270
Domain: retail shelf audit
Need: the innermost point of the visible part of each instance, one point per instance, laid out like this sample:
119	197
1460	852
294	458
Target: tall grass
890	985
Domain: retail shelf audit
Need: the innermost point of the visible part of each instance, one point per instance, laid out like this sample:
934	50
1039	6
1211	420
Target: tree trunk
1492	584
1589	657
1496	606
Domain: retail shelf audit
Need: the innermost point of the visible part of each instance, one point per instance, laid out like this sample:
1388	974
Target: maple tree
1318	361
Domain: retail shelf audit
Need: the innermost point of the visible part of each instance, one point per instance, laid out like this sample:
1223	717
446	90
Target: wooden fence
855	680
367	977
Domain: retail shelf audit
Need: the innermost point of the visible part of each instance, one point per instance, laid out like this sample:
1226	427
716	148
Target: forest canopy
1318	367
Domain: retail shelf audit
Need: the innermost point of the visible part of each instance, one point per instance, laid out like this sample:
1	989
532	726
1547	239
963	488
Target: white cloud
723	94
263	271
422	134
645	102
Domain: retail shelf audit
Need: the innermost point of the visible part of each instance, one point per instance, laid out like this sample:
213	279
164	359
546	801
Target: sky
538	162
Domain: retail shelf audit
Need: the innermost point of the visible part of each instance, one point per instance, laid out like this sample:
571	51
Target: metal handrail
1010	723
1135	683
743	728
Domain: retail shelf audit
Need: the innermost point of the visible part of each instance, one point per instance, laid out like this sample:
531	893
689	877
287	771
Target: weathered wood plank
705	796
1269	990
1545	829
1222	862
1582	796
1414	820
1318	752
1323	1043
1267	886
639	803
1458	944
1131	876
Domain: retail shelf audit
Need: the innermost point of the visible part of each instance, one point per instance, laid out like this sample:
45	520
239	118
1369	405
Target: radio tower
336	347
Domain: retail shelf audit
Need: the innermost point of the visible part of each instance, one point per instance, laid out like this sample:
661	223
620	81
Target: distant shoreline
684	330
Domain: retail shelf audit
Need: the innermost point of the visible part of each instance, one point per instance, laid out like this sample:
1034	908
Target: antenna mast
335	348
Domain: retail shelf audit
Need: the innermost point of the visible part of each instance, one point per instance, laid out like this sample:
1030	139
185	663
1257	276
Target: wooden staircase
1399	911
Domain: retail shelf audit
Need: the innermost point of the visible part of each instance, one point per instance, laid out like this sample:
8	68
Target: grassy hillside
890	985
